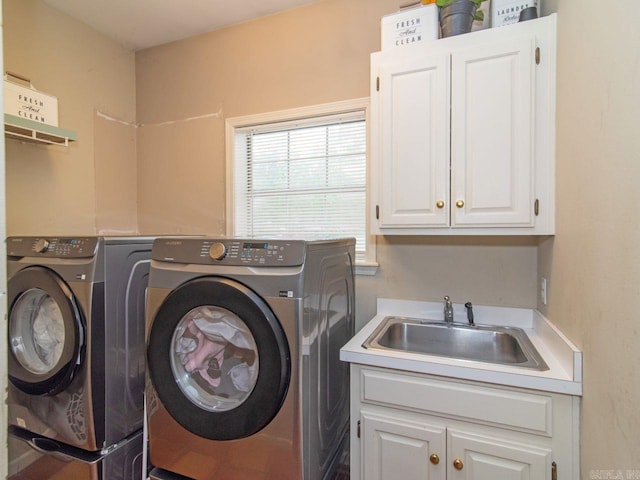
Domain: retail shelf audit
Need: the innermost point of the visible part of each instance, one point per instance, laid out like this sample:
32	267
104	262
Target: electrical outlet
543	290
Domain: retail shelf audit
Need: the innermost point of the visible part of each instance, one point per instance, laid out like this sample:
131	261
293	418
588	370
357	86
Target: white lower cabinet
392	445
418	427
475	457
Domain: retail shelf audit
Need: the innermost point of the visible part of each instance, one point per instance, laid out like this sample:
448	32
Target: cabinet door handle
434	458
460	203
457	464
440	204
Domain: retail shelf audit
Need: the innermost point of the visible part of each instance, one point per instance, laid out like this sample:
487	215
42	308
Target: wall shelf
23	130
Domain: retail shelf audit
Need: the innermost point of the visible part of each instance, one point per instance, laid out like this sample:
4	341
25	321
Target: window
300	174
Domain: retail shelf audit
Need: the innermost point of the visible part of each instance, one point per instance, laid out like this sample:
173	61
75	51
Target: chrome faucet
448	310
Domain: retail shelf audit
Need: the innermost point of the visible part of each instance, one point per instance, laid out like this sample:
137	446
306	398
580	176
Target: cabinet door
394	448
492	134
473	457
412	118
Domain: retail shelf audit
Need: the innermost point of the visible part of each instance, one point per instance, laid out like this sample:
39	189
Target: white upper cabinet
492	135
463	134
413	141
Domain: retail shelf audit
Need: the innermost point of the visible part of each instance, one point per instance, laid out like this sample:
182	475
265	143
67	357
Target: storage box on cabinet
410	26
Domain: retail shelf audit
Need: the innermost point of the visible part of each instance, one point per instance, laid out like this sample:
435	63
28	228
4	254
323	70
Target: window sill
369	268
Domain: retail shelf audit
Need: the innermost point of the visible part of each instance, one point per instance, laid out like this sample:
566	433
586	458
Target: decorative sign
504	12
410	26
30	104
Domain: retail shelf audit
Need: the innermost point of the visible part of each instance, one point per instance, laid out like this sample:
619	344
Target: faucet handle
469	308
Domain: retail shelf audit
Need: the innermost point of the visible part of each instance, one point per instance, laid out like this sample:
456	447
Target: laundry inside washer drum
37	343
215	358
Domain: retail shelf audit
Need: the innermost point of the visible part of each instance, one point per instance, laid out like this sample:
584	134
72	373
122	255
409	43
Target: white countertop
562	357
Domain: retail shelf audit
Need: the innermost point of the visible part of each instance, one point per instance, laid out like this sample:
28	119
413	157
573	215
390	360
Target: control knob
218	251
42	245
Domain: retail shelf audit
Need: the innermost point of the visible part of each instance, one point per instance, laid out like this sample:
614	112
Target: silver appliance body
76	339
243	340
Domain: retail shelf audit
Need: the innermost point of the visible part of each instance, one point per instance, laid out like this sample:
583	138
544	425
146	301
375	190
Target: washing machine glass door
218	359
46	334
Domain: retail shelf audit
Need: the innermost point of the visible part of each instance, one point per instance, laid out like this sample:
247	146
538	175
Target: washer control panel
52	247
232	252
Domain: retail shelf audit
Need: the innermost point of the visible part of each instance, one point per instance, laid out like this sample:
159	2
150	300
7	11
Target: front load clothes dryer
243	340
76	339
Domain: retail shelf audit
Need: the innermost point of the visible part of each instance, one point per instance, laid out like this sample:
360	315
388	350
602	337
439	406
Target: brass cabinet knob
457	464
434	458
440	204
460	204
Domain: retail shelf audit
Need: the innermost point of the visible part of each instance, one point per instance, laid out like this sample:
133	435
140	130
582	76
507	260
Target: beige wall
593	263
184	91
320	53
307	56
56	190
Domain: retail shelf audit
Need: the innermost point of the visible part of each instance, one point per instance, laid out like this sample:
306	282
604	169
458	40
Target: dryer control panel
232	252
52	247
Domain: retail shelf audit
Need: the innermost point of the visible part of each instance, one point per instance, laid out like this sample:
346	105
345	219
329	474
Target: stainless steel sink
481	343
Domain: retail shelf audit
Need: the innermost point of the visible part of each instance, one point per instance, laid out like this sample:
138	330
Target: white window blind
302	179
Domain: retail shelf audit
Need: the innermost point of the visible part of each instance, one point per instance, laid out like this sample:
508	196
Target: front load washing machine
76	341
243	340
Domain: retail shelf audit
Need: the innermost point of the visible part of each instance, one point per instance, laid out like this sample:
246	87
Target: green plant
479	13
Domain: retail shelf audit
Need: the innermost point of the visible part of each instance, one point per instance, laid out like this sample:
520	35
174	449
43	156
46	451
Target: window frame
364	266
